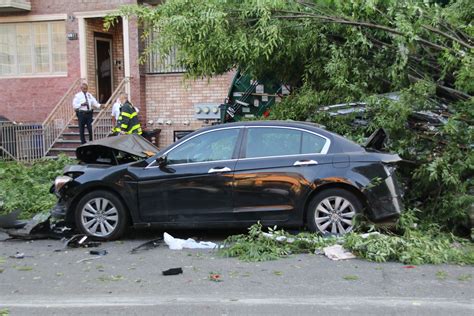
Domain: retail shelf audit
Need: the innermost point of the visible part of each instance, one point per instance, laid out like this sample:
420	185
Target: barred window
155	64
33	48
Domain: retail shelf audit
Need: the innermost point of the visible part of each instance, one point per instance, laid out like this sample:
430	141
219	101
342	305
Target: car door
196	183
271	178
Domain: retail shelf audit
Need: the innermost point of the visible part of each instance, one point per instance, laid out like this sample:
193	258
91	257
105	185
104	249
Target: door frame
104	38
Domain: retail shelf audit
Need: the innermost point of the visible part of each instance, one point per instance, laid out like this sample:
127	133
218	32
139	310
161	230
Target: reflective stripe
124	126
120	118
137	126
129	115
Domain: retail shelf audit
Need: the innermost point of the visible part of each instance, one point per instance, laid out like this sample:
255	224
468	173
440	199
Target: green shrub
26	187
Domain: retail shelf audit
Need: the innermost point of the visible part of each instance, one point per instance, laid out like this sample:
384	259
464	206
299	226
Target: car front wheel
101	214
331	211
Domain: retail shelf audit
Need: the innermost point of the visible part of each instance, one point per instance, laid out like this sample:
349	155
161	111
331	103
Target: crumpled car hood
111	150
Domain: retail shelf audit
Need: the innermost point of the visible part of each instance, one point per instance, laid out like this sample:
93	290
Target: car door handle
305	163
219	169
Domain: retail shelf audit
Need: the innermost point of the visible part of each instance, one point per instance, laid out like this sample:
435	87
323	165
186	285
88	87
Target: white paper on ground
178	244
337	252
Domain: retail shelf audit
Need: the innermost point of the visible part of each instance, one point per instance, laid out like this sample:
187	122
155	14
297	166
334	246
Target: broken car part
148	245
173	271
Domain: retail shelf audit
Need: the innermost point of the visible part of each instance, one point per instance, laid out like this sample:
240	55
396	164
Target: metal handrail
102	125
59	118
53	111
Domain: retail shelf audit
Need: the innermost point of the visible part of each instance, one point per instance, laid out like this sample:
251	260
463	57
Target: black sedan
280	173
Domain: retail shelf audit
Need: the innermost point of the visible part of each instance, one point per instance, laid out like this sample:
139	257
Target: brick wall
170	97
31	99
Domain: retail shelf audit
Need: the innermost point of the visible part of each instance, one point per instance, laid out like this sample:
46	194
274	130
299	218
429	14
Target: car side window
312	144
268	142
211	146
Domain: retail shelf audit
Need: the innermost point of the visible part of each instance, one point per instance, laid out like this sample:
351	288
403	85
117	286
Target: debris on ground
10	221
101	252
80	241
178	244
215	277
173	271
18	255
39	227
88	259
148	245
337	252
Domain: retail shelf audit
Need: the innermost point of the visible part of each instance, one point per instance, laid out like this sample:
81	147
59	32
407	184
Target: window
269	142
312	143
211	146
37	48
157	64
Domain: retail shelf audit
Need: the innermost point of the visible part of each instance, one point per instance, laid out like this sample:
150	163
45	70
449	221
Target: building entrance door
104	73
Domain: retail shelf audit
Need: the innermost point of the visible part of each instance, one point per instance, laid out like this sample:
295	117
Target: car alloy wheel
331	211
101	214
99	217
334	215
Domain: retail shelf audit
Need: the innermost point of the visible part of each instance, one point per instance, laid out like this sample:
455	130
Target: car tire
331	211
101	215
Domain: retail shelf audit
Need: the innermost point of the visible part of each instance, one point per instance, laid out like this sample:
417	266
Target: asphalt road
46	282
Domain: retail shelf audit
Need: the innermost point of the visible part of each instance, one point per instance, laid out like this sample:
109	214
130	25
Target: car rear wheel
331	212
101	214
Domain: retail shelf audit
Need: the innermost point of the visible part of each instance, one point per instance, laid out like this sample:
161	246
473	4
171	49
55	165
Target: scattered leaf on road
23	268
441	275
351	277
465	277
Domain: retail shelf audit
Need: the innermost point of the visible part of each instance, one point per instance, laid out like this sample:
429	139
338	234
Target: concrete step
68	143
71	136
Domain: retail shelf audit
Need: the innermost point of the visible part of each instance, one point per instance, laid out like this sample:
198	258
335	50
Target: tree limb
446	35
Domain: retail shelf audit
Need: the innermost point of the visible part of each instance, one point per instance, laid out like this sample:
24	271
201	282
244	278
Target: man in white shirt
83	104
116	112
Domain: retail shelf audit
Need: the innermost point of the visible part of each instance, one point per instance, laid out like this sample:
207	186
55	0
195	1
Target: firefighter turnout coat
128	120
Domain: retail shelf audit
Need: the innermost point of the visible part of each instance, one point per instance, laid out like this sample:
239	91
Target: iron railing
29	142
59	118
102	125
21	142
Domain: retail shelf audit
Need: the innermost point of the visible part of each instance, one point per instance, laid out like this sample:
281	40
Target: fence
21	142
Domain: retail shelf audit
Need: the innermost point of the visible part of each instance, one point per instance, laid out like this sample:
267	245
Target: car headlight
60	181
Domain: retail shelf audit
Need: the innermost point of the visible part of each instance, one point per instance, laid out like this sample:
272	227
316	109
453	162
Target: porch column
126	54
82	47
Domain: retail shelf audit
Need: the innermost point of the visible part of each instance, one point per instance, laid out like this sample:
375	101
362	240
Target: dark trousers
85	119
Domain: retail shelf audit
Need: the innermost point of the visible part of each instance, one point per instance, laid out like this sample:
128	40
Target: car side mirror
162	161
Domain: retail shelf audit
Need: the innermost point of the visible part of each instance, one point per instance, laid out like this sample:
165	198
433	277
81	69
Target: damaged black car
290	174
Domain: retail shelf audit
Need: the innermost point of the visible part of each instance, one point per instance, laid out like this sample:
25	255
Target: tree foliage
333	51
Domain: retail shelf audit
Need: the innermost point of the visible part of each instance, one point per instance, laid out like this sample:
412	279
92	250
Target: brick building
48	47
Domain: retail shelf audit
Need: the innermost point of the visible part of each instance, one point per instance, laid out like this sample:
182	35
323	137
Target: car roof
339	144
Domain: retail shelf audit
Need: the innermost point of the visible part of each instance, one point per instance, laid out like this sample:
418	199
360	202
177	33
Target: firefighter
127	122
